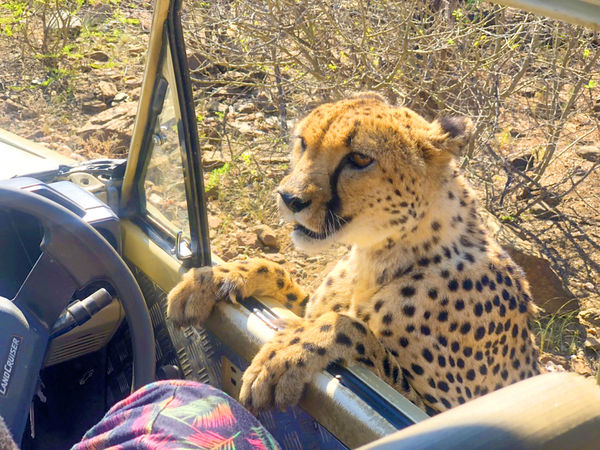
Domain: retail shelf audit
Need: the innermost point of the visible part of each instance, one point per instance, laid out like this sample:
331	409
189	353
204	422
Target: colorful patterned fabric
177	414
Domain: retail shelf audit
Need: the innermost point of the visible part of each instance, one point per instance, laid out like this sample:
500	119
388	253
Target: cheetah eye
359	161
302	143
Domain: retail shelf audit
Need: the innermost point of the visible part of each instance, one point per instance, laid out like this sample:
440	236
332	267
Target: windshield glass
164	184
71	73
528	83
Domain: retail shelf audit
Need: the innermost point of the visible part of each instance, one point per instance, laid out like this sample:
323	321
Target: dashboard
20	238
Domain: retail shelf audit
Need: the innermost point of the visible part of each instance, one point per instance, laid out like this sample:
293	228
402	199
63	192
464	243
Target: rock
211	164
245	107
136	50
156	199
95	13
527	92
245	128
216	106
106	91
64	20
589	152
591	343
93	106
551	367
115	123
120	98
579	366
546	287
214	221
275	257
263	102
272	121
132	82
247	239
13	106
591	316
553	363
16	108
116	112
267	236
229	254
99	56
135	93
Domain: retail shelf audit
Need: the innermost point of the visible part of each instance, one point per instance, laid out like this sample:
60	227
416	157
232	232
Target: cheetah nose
295	204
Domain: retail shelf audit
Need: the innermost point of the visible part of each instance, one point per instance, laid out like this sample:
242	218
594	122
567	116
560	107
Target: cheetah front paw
191	301
276	377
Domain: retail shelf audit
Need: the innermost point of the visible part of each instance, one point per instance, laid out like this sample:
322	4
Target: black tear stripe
333	222
334	206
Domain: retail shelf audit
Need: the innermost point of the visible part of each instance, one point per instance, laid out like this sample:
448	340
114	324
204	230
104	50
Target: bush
43	27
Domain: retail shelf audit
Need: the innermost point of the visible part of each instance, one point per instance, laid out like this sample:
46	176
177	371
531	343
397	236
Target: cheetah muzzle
425	298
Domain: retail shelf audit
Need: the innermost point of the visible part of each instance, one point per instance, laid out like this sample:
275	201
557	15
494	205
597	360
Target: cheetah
425	297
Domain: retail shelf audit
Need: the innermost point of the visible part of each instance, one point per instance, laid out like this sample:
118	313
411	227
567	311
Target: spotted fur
425	298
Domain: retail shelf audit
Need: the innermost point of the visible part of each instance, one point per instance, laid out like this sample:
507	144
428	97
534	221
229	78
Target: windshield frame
166	39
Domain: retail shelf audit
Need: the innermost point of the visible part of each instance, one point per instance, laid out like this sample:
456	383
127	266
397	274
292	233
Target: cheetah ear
371	95
452	133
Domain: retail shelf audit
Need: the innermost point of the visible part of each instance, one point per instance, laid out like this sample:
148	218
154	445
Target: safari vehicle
86	263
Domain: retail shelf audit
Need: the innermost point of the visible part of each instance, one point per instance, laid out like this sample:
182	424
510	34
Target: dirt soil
87	112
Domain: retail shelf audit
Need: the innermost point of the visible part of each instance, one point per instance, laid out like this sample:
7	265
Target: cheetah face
362	171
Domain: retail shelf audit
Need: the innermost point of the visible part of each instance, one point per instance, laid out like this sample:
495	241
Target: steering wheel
73	255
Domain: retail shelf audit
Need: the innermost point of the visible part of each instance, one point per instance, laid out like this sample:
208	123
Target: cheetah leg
192	300
280	370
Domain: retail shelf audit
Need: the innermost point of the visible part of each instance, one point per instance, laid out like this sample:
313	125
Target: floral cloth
177	414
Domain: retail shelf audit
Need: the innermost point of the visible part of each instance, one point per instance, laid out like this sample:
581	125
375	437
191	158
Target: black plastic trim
371	397
146	147
162	239
192	157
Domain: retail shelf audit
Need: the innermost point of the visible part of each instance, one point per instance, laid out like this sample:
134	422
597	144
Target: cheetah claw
276	377
191	301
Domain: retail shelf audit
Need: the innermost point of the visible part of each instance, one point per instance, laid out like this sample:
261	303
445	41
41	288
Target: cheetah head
363	170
